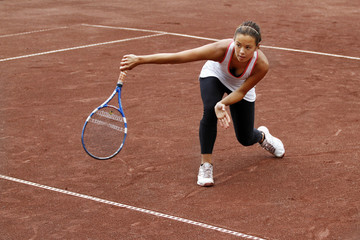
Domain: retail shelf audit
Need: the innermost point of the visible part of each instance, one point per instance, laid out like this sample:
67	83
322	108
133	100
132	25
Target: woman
234	66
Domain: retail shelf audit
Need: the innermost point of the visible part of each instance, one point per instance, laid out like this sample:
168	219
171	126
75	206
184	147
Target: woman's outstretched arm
213	51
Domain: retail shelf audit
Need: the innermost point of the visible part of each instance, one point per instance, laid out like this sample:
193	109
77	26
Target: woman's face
245	46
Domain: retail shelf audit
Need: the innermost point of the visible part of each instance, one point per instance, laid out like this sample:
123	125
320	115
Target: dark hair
251	29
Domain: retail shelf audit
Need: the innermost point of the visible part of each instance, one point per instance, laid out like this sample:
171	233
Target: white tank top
222	72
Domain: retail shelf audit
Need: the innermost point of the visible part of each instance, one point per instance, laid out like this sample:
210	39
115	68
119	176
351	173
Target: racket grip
122	77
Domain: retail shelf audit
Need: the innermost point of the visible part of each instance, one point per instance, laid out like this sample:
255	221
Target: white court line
312	52
152	31
159	33
35	31
79	47
142	210
213	39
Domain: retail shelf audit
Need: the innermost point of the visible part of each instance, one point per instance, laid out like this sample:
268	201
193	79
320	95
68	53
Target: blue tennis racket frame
106	104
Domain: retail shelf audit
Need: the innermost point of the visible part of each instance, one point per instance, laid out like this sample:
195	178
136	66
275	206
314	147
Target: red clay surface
309	101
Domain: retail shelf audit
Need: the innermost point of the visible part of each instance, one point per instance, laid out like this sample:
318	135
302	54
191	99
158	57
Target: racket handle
122	77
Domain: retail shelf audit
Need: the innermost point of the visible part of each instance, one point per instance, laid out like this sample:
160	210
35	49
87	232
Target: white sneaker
205	177
271	143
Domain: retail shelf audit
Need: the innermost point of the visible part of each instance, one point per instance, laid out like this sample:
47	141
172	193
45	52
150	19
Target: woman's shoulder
262	63
225	42
216	51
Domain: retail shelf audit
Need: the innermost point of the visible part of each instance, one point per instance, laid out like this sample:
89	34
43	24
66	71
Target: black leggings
242	113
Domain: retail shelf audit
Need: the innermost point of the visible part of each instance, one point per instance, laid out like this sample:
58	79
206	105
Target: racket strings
105	132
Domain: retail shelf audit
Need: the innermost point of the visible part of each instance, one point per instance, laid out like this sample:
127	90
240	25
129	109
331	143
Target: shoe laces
268	146
206	172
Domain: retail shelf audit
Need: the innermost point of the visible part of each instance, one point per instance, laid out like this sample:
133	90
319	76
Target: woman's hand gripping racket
105	129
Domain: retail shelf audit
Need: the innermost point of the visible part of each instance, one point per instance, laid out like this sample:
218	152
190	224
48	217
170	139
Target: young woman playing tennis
234	66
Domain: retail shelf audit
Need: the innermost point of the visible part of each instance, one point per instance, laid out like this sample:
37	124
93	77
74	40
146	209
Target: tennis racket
105	129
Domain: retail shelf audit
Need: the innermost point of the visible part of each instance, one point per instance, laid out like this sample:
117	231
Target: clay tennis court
60	59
